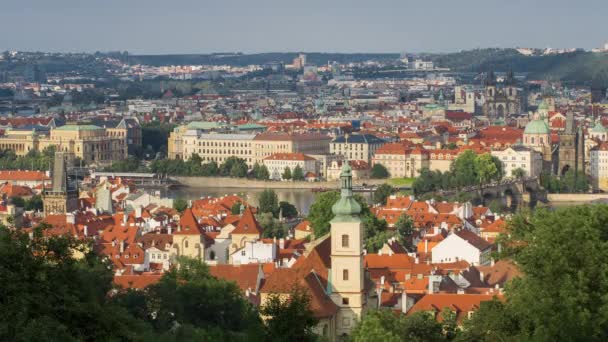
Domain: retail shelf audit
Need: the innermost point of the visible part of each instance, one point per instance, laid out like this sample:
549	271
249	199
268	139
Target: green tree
272	228
34	203
189	296
289	319
18	202
49	295
518	173
562	295
180	204
485	168
287	209
238	170
268	202
463	169
264	174
236	208
382	193
226	167
385	325
298	173
405	227
287	173
320	211
378	171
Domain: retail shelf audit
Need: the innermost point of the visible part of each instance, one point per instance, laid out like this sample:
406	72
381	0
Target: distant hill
584	68
238	59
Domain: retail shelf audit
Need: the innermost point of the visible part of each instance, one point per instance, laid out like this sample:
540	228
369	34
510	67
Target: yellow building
189	239
93	144
400	160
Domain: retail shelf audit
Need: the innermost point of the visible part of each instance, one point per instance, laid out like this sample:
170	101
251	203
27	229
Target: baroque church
501	99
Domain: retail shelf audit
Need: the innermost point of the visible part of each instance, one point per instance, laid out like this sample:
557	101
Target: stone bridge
513	192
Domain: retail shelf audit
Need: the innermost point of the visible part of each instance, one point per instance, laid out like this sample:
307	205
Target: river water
302	199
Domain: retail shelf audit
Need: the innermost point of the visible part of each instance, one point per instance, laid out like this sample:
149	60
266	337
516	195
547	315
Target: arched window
186	243
344	274
345	240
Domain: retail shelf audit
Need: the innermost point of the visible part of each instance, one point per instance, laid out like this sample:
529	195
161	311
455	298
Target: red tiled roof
248	224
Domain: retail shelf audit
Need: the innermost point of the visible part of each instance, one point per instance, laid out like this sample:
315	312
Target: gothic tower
571	148
347	274
61	199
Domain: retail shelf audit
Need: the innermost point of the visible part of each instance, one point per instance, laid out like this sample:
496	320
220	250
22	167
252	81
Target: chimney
169	230
122	246
70	218
138	212
379	294
426	245
404	306
281	243
492	262
416	260
86	230
481	276
382	280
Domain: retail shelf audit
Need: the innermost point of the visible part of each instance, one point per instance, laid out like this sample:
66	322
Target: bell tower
62	198
347	274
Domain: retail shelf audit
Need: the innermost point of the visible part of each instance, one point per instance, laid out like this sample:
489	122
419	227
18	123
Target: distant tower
61	199
347	272
571	147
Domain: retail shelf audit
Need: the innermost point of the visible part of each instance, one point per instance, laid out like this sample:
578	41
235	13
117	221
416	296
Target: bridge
139	178
512	192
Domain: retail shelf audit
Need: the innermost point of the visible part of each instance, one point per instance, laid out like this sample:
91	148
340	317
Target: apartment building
356	146
276	164
520	157
401	160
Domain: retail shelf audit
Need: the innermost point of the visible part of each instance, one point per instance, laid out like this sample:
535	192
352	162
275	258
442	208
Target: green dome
543	105
347	208
537	127
598	128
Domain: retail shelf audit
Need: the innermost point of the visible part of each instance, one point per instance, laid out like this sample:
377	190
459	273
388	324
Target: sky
251	26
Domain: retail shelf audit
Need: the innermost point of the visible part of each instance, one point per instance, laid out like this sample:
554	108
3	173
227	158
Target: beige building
360	169
400	160
184	142
598	165
356	146
441	159
93	144
520	157
276	164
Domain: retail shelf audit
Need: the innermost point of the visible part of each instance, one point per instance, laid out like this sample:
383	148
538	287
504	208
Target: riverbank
578	198
227	182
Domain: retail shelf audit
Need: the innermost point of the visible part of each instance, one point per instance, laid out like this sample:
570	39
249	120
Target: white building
277	162
463	245
255	252
520	157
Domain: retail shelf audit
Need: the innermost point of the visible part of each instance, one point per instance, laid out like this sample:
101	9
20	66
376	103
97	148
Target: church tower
61	199
347	274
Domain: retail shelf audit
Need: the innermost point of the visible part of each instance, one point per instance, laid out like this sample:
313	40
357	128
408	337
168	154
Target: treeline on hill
468	169
580	67
239	59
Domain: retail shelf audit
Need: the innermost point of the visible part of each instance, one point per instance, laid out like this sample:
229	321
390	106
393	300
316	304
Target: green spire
347	208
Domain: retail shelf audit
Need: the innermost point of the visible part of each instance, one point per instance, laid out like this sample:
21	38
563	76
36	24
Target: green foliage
130	164
236	208
562	296
496	206
188	295
289	319
320	211
180	204
382	193
48	295
18	202
405	227
376	233
385	325
298	173
268	202
34	203
570	182
378	171
260	172
518	173
155	135
287	209
232	167
468	169
287	173
33	160
272	227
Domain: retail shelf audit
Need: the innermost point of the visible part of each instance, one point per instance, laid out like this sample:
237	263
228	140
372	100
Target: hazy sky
202	26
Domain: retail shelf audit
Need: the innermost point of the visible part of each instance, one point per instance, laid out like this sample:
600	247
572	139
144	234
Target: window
345	240
212	255
186	243
345	301
344	274
243	253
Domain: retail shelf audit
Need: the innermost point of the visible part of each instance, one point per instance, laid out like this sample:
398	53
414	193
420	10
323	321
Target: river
302	199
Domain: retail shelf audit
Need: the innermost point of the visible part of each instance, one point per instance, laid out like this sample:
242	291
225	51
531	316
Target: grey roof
359	139
220	136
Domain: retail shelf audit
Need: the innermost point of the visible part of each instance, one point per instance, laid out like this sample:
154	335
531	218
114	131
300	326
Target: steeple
347	208
510	80
490	79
